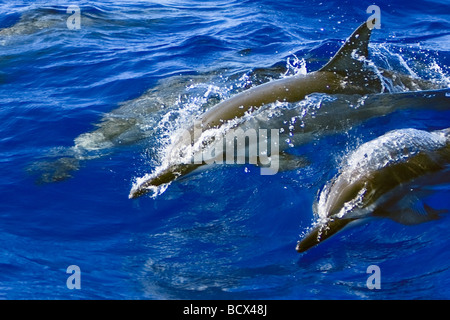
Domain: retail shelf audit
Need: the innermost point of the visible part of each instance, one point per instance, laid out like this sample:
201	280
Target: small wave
421	65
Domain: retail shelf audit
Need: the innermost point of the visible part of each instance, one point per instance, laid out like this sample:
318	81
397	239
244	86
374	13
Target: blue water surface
226	232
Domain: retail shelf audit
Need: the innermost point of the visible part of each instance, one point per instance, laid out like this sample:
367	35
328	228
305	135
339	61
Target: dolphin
381	178
151	118
348	72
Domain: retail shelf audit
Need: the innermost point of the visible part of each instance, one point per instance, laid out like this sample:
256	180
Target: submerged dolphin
378	179
346	73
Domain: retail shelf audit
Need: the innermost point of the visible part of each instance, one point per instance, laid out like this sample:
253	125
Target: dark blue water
223	233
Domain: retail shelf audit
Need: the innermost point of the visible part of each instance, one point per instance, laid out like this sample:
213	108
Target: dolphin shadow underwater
349	72
383	178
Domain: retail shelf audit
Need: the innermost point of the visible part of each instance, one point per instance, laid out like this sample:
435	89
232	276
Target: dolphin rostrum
380	179
344	73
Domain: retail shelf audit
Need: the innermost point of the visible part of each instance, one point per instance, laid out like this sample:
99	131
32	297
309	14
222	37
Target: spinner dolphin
348	72
378	180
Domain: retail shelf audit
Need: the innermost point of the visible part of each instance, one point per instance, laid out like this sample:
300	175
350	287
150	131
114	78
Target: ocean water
88	107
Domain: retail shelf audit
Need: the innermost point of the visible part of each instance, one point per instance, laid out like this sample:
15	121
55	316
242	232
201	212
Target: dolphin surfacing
344	73
378	179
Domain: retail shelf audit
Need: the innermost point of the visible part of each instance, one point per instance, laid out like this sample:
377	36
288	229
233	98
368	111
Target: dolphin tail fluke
321	232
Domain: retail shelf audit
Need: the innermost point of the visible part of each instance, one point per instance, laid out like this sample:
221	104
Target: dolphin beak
136	192
320	233
143	187
162	177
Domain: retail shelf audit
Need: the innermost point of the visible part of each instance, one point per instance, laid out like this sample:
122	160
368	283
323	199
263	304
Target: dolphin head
339	203
159	180
152	182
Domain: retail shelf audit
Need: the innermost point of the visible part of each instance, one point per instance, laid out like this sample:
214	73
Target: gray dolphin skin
345	73
379	180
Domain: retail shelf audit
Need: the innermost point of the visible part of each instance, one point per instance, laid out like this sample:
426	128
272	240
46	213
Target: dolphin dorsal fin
344	60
